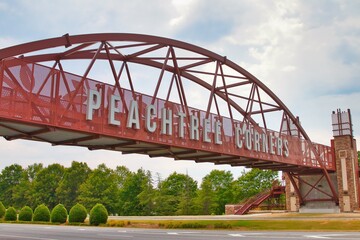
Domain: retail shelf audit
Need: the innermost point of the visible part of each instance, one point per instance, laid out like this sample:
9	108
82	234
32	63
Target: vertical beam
161	76
212	90
117	83
296	188
226	94
46	79
84	77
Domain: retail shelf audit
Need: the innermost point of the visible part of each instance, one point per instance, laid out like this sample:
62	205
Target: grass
246	225
243	225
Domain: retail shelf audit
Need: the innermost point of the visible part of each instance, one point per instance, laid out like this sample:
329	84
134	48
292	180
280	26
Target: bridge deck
51	107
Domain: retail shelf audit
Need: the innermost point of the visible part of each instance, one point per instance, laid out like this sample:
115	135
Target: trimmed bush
59	214
26	214
98	215
77	214
42	214
2	210
10	214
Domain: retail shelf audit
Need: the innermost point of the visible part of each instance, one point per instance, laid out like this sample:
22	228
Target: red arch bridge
158	97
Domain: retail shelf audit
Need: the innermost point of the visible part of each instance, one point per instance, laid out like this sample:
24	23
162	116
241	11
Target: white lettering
206	130
113	110
279	146
181	124
272	144
150	112
194	127
166	121
286	147
238	140
256	141
93	103
218	133
245	135
248	144
265	145
133	117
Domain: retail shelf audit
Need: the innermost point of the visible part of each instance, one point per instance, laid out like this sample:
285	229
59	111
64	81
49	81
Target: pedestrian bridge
149	95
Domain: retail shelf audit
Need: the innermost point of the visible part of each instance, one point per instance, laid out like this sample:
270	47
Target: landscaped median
253	222
245	225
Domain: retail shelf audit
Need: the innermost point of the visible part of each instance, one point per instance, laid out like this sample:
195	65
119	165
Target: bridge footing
311	192
320	207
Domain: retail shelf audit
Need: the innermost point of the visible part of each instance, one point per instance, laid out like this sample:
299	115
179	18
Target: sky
306	52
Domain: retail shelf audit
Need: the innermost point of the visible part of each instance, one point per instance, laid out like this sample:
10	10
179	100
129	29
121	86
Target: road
49	232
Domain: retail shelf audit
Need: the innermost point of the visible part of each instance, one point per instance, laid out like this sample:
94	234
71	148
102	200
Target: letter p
93	103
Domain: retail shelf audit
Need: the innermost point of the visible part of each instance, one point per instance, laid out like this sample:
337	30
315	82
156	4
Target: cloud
306	52
49	19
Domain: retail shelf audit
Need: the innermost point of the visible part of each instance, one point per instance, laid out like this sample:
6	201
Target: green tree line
124	192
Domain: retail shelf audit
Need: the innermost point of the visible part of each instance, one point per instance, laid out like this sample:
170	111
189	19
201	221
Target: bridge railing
37	94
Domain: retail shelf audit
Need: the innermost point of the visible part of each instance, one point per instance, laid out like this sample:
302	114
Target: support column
347	168
292	199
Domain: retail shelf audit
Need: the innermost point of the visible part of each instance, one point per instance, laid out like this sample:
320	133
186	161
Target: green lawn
246	225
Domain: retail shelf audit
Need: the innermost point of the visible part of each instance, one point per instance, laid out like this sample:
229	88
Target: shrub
77	214
26	214
98	215
2	210
10	214
59	214
41	214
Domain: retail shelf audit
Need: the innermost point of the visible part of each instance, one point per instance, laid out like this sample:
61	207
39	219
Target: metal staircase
259	198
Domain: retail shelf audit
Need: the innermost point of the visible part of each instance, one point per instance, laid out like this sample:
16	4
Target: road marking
23	237
81	229
172	233
236	235
316	236
114	235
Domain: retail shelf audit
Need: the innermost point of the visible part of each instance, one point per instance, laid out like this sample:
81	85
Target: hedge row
59	214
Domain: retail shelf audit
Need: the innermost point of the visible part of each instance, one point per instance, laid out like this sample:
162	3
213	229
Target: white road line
316	236
172	233
114	235
23	237
236	235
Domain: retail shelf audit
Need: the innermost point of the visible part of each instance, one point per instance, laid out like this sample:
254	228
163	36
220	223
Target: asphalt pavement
51	232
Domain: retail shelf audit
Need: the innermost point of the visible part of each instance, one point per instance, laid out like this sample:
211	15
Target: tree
21	195
147	195
68	189
129	203
41	214
77	214
253	182
122	173
46	183
99	187
176	195
10	177
216	191
2	210
26	214
25	191
59	214
98	215
10	214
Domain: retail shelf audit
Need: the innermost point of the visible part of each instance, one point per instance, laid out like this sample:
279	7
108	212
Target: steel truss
52	99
